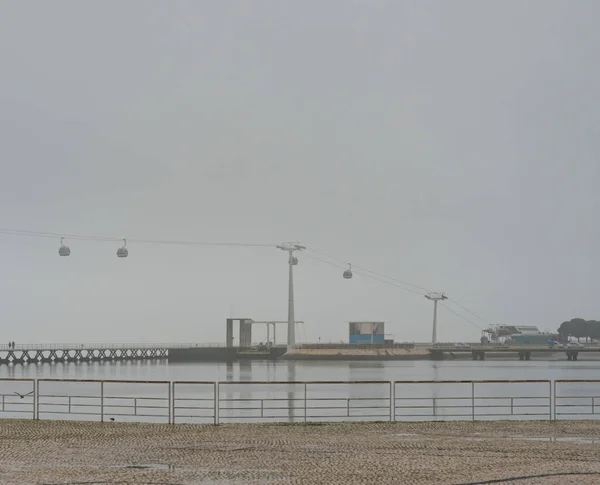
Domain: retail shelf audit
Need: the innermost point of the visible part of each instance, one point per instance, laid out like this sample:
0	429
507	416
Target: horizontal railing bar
301	416
515	414
72	413
345	416
105	381
110	397
114	406
499	406
301	399
197	407
466	415
207	416
499	381
558	381
193	382
347	398
575	405
226	383
126	415
341	407
81	405
469	398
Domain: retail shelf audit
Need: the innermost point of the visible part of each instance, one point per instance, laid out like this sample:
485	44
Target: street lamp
435	297
292	261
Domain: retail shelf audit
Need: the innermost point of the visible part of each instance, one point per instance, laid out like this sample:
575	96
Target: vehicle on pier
520	335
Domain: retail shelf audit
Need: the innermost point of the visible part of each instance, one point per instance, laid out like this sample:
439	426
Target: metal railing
107	346
576	398
474	400
297	401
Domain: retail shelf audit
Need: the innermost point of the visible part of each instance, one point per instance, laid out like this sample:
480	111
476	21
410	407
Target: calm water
301	371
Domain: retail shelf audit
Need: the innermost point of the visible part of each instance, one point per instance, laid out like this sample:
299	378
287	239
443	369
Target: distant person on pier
13	345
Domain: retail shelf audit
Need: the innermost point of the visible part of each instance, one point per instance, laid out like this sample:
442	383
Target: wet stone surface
51	452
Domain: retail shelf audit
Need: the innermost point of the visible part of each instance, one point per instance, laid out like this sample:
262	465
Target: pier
174	352
522	352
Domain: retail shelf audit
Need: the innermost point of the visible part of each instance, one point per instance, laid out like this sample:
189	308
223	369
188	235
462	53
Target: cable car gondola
63	250
123	252
348	273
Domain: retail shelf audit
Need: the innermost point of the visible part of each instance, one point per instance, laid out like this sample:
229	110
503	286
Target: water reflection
435	389
268	402
291	377
308	370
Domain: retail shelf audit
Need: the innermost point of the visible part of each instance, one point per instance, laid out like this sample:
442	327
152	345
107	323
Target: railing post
305	411
473	400
172	403
262	408
550	401
168	402
33	406
593	405
69	404
554	399
102	401
512	409
37	399
348	407
216	403
390	394
394	401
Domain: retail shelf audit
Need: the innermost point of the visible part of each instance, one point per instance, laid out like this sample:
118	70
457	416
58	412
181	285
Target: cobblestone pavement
53	452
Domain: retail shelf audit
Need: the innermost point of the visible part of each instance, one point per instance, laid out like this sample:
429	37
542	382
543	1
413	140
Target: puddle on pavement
551	439
560	439
152	466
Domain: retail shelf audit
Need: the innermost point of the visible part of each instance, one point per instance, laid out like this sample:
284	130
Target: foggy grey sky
454	145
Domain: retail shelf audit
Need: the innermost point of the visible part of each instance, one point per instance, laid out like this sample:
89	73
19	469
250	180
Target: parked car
461	345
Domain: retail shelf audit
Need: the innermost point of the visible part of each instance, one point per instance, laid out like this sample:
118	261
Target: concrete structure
523	352
245	332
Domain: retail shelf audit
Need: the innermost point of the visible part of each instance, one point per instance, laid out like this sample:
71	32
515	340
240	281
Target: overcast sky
454	145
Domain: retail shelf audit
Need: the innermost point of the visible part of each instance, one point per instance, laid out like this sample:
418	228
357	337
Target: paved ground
51	452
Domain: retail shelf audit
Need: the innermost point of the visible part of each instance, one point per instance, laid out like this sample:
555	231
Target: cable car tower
435	297
292	261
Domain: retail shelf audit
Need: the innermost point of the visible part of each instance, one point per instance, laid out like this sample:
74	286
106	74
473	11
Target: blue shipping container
367	339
